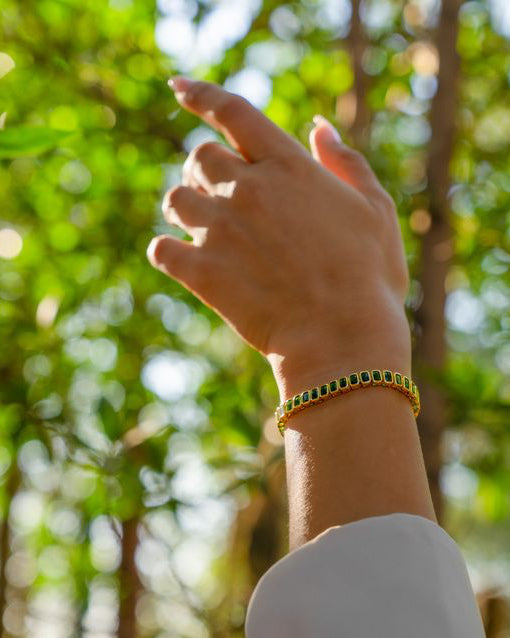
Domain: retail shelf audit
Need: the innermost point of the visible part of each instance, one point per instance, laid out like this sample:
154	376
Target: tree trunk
10	490
495	612
430	351
258	538
357	44
129	581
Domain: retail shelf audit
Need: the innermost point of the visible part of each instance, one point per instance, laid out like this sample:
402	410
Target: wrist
312	359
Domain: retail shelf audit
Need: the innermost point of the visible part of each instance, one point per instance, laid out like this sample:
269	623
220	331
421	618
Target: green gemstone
398	378
305	396
365	377
413	389
333	386
288	405
324	390
315	394
343	383
376	375
406	383
353	379
297	401
388	376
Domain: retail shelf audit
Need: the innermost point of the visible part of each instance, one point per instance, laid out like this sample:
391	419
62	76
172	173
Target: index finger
245	127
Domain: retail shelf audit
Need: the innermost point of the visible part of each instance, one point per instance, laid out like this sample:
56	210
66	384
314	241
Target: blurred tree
436	249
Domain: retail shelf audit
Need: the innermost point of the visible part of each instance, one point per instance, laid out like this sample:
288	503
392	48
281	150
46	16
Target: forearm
356	455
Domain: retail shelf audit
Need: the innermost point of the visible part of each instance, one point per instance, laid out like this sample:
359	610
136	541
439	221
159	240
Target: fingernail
320	120
165	204
179	83
151	251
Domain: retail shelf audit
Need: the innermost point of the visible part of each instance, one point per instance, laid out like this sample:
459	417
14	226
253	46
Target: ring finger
190	210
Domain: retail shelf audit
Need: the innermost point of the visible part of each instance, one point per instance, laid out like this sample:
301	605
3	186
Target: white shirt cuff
396	576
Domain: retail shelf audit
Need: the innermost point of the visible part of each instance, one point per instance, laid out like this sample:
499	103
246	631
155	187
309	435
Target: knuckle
197	94
292	163
220	227
246	187
225	230
251	193
201	152
354	156
175	196
230	107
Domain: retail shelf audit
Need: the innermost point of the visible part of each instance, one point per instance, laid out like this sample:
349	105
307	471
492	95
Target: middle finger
210	167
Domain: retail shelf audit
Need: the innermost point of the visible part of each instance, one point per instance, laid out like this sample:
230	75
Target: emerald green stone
365	377
376	375
398	378
413	389
315	394
288	405
388	376
324	390
297	401
406	383
353	379
333	386
343	383
305	396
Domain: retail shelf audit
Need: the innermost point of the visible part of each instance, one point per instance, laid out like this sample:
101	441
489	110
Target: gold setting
343	388
353	381
336	391
376	376
365	374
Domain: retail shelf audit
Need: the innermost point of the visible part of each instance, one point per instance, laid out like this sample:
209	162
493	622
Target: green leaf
24	140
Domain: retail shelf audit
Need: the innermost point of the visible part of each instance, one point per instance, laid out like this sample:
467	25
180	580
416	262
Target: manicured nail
320	120
165	204
179	83
151	251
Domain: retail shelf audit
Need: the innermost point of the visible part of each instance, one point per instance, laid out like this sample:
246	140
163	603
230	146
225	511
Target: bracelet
354	381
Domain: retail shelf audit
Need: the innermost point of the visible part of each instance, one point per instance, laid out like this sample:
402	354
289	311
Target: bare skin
302	255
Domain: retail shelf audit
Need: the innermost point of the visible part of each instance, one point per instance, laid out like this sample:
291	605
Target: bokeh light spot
11	243
6	64
47	311
420	221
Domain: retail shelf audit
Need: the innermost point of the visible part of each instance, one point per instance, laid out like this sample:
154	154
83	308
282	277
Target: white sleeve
396	576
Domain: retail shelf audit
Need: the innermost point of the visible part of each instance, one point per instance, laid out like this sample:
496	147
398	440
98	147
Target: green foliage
23	140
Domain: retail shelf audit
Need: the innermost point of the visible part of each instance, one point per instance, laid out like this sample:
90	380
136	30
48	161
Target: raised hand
300	254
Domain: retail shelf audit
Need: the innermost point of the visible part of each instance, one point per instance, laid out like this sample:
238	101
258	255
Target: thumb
347	164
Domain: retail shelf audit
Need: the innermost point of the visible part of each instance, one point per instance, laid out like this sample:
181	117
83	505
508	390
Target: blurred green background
142	477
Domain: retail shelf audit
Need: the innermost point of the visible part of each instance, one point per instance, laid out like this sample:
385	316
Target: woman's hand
302	255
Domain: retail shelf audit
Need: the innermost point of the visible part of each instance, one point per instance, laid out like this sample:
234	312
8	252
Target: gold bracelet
343	385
